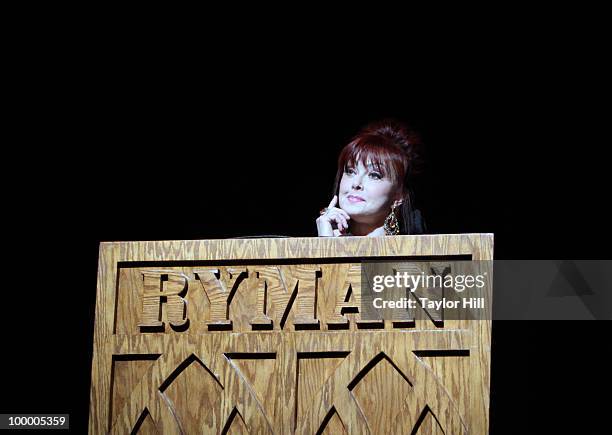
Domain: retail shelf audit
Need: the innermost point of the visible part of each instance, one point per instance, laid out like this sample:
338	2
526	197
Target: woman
371	192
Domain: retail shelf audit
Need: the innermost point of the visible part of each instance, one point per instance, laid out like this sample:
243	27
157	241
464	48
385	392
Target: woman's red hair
390	146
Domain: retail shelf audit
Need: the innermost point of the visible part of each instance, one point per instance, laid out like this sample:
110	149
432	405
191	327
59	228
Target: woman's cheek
374	191
344	183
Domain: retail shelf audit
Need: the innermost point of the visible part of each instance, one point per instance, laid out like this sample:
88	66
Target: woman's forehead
367	160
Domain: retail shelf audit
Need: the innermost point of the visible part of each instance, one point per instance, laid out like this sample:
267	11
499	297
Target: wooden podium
266	336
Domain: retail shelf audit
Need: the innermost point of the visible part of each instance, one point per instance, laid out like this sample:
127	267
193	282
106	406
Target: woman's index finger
333	202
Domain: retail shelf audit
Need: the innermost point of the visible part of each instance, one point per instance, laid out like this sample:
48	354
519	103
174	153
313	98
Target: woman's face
366	195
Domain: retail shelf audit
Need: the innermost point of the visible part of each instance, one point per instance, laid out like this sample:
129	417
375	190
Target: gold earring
391	225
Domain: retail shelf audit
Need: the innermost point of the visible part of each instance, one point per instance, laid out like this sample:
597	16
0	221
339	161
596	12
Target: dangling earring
391	225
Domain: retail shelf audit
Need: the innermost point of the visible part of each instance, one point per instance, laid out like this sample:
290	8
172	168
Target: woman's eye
349	171
375	175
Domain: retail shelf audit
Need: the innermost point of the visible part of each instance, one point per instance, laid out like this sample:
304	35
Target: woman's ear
399	198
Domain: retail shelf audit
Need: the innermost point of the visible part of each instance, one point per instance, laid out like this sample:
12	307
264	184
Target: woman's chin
351	209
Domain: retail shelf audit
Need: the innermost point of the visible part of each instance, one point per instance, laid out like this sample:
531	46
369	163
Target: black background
130	154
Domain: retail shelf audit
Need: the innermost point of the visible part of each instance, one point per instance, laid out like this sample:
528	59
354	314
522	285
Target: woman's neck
364	229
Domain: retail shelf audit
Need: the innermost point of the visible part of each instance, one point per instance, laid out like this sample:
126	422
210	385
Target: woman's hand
333	217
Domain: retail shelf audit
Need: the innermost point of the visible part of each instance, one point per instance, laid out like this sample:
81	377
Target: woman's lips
355	199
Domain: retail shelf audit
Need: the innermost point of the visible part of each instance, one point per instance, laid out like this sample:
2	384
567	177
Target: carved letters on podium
279	289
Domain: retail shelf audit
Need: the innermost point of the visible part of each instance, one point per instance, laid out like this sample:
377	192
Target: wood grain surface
267	336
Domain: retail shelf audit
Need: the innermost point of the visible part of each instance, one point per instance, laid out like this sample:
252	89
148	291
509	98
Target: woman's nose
357	184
